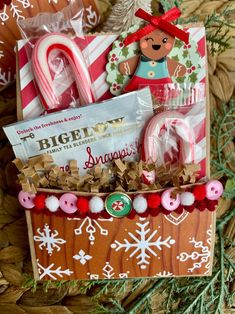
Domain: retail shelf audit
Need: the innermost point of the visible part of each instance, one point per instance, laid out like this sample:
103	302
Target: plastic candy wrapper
176	134
60	69
92	135
176	95
79	14
94	49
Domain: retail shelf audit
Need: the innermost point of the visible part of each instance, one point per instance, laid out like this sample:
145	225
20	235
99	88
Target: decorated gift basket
112	146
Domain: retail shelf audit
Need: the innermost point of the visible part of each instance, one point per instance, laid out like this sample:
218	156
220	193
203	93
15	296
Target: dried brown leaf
40	298
12	254
12	274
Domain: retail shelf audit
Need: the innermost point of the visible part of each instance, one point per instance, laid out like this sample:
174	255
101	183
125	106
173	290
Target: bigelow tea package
92	135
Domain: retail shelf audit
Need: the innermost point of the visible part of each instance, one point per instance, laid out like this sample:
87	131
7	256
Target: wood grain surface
114	247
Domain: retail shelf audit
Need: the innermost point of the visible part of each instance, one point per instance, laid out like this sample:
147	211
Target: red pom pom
154	212
199	192
154	200
39	202
58	213
189	208
83	205
132	214
165	211
211	205
94	215
144	215
179	210
105	214
201	206
7	2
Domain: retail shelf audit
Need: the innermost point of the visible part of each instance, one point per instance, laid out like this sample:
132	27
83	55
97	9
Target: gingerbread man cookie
153	66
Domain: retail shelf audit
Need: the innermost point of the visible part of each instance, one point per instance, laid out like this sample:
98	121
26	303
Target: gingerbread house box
156	243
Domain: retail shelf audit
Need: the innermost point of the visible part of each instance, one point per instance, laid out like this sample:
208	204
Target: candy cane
43	47
152	141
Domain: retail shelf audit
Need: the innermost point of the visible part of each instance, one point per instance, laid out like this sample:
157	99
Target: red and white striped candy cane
42	49
152	140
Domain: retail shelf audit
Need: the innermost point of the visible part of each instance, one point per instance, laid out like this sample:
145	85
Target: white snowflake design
5	77
52	272
25	3
108	273
202	257
82	257
16	12
48	239
1	51
143	243
16	8
92	17
164	273
92	226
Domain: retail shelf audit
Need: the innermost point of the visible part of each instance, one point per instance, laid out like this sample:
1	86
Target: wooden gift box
66	248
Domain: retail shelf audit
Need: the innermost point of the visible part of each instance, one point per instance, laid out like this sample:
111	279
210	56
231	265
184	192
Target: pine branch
222	170
218	40
169	4
231	263
221	223
47	285
221	134
218	18
201	296
29	283
219	307
170	296
211	292
142	299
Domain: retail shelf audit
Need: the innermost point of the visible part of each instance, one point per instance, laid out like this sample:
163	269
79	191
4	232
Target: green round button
118	204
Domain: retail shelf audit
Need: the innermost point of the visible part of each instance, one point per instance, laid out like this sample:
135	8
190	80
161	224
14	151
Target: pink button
26	199
168	202
214	189
68	203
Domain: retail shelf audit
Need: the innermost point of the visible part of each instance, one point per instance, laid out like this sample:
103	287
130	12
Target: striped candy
165	121
94	49
41	53
152	140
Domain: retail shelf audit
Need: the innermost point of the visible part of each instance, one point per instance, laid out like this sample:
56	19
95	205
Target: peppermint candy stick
43	47
152	140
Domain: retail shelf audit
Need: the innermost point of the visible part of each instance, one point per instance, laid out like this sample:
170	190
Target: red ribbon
162	22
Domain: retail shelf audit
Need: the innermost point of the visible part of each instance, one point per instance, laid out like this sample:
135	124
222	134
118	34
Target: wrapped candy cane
43	47
152	140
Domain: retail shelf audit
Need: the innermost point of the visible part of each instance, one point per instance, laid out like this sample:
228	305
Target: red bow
162	22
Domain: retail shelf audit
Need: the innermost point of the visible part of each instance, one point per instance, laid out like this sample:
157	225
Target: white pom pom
96	205
52	203
140	204
187	198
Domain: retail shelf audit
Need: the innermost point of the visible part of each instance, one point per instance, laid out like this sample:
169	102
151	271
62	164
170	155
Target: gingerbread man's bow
162	22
